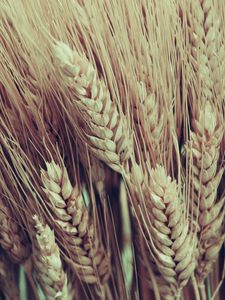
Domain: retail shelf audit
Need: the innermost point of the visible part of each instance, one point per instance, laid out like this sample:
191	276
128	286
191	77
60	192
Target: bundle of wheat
112	137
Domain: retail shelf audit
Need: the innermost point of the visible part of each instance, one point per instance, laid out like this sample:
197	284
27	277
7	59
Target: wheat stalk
12	239
48	264
205	176
170	231
8	281
88	257
107	130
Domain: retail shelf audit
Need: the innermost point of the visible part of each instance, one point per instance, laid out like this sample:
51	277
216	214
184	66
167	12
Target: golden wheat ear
105	126
85	250
47	263
173	244
204	177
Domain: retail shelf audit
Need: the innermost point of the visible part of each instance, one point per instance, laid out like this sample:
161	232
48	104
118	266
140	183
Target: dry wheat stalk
48	264
106	130
174	244
203	154
8	281
12	239
89	259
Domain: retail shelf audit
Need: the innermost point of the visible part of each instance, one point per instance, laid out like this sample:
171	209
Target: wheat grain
12	238
204	148
48	264
106	130
88	257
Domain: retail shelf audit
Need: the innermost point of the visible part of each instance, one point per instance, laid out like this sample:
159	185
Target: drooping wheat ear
90	260
8	281
106	128
173	243
149	121
12	238
48	264
207	49
203	151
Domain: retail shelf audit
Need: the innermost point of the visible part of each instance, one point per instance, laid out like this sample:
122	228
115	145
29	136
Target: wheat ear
106	128
173	244
12	239
90	260
208	49
148	120
204	148
48	264
8	281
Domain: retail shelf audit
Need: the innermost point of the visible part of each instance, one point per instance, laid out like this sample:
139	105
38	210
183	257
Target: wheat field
112	149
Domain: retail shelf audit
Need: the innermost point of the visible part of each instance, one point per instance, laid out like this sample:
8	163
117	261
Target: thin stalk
195	286
201	287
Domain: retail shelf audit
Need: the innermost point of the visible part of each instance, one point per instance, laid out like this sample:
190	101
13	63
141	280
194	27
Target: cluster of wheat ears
112	143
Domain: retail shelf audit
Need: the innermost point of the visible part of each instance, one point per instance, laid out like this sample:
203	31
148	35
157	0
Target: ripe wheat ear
48	264
170	231
106	129
12	239
204	149
86	252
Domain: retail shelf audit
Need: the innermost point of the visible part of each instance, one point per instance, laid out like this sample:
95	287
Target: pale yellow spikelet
202	152
88	256
48	264
12	238
174	244
106	128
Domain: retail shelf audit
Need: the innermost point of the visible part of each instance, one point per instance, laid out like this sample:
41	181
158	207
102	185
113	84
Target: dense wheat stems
203	151
88	257
173	243
48	264
12	238
106	127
